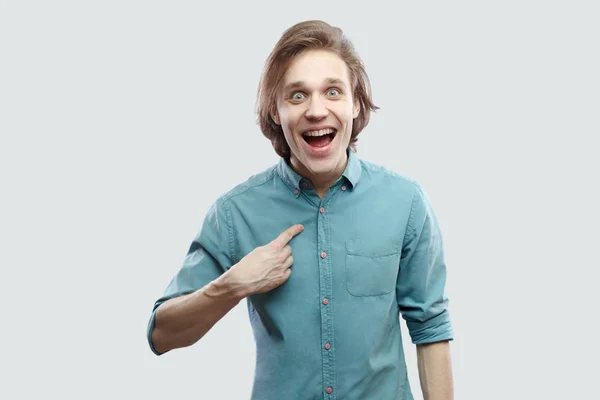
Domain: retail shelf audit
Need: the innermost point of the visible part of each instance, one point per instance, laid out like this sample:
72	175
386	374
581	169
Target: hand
266	267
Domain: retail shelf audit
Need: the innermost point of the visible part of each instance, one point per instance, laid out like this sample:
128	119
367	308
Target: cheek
289	118
287	125
345	113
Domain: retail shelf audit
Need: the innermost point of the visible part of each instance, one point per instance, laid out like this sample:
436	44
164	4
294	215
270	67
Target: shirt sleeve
420	288
209	256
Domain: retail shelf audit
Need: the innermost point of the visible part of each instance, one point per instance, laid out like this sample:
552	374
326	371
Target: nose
316	109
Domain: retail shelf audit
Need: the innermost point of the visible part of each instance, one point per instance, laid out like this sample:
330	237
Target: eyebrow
299	84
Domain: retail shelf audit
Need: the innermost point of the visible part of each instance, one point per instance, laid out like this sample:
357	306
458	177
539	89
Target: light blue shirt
371	250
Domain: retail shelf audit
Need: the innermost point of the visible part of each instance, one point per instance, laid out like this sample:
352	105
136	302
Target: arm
422	298
196	298
435	371
183	320
187	314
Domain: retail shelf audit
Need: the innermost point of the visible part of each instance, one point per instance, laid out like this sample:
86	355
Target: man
328	249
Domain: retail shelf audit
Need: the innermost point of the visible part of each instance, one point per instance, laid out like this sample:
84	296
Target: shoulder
399	189
382	176
248	186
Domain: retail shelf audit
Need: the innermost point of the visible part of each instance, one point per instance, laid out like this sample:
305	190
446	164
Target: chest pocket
371	267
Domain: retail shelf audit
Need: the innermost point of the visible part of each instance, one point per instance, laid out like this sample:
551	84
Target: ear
275	118
356	109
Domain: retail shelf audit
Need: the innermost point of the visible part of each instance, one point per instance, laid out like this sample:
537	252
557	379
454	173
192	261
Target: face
315	110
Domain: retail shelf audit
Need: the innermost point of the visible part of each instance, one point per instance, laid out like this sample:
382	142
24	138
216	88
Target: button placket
325	273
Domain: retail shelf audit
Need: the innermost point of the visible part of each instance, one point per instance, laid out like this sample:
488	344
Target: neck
321	182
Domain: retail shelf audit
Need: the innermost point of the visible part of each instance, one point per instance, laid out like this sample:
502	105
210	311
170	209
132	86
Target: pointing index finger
283	239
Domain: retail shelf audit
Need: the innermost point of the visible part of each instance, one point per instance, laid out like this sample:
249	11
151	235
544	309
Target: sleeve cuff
149	333
436	329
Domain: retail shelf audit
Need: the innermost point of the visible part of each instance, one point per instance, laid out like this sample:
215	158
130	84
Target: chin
324	165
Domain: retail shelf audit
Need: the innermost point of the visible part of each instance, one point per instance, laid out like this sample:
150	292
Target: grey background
121	122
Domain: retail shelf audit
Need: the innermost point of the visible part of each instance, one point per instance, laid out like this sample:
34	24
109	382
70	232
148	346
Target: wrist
226	286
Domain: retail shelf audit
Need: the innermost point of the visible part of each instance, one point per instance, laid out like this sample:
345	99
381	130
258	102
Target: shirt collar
295	182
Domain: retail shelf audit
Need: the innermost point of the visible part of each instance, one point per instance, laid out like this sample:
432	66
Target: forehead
313	67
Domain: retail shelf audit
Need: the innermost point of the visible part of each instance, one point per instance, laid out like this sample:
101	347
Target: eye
297	96
333	92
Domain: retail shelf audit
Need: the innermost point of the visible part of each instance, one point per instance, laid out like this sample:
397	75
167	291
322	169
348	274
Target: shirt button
329	390
304	184
321	210
323	254
325	301
327	346
296	191
343	187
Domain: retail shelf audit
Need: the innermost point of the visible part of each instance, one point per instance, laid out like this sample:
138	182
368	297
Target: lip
318	128
319	151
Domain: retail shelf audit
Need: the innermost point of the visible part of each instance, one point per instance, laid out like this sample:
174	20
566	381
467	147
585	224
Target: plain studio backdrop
122	121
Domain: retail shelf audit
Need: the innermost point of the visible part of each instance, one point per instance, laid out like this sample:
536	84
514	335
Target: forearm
183	320
435	371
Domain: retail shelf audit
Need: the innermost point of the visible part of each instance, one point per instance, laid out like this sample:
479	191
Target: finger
286	251
287	235
288	262
287	273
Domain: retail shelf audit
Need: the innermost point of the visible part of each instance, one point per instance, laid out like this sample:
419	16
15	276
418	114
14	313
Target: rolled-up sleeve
420	288
209	256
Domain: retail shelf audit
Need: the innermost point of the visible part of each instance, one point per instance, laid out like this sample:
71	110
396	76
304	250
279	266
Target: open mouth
320	138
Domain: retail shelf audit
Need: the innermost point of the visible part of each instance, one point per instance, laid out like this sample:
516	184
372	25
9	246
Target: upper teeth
320	133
